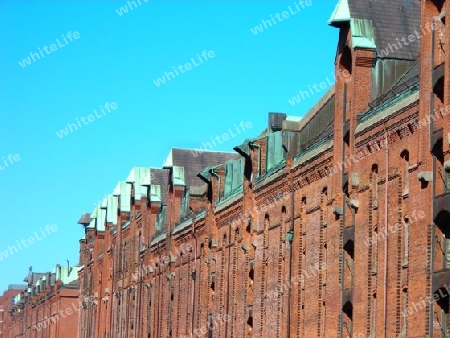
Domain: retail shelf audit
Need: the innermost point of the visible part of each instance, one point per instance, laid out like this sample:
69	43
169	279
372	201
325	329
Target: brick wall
43	316
5	307
340	241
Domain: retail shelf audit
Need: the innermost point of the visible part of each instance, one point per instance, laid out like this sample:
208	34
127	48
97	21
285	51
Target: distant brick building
6	302
48	307
335	225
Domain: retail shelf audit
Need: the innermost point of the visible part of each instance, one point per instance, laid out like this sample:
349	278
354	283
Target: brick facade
48	307
6	302
335	225
332	226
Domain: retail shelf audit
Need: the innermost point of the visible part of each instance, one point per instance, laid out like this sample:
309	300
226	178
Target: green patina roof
340	14
362	29
136	177
362	33
388	108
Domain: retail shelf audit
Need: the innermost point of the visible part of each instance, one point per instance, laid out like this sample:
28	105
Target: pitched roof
17	287
391	20
161	177
33	277
85	218
195	161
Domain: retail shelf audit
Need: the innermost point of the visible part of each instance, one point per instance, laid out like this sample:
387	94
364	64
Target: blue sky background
116	59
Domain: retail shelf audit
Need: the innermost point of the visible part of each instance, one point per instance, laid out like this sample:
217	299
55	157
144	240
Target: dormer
135	178
341	15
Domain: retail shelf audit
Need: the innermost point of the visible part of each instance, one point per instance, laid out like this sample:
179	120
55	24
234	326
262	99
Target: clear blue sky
116	59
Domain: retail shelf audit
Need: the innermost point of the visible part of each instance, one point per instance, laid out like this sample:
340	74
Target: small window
406	224
405	157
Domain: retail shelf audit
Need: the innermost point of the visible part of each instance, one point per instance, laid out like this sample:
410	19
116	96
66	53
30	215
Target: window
373	316
406	224
275	153
439	4
405	157
325	263
441	312
405	311
349	251
375	185
234	176
348	318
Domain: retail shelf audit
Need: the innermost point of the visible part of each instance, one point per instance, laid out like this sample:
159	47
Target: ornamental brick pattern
335	225
47	307
338	226
6	303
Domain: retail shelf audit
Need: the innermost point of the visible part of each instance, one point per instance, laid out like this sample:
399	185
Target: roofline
205	151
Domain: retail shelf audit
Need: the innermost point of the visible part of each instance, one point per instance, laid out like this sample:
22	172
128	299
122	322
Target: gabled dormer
378	44
139	191
184	166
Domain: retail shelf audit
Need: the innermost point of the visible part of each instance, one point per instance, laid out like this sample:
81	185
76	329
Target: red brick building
48	307
335	225
6	302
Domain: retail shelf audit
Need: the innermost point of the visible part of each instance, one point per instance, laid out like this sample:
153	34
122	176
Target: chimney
276	121
58	272
43	283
